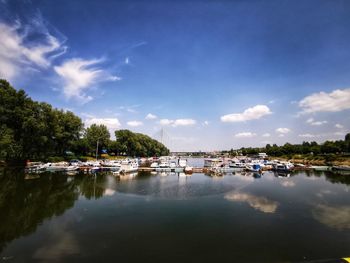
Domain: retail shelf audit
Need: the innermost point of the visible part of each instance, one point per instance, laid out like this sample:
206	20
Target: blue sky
214	74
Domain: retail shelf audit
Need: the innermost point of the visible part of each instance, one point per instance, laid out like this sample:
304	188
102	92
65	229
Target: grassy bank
331	159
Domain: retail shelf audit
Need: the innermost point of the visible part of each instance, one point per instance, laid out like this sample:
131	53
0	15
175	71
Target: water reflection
287	183
24	204
333	216
173	199
63	243
260	203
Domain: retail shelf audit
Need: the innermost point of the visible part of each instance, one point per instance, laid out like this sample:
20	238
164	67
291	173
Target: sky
208	75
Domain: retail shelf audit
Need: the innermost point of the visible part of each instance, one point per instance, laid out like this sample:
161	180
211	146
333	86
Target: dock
194	169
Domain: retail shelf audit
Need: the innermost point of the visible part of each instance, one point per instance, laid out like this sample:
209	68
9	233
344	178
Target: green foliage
96	134
306	148
137	144
33	130
54	159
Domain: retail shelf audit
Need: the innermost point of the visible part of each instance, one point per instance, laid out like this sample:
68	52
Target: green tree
30	129
137	144
97	137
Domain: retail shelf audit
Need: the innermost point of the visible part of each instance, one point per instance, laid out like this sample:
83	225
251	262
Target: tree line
35	130
328	147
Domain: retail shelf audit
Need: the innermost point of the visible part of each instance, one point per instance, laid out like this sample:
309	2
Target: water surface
147	217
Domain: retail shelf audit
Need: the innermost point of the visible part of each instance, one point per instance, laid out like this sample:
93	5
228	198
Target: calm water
172	218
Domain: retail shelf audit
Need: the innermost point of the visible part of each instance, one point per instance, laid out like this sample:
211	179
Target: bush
55	159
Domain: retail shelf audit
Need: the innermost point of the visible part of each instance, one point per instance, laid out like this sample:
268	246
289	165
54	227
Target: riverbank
315	160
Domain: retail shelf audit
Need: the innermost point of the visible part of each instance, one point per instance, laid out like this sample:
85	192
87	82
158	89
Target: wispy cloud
130	109
21	49
134	123
311	121
282	130
339	126
150	116
177	122
80	75
127	60
253	113
245	135
266	135
112	124
307	135
334	101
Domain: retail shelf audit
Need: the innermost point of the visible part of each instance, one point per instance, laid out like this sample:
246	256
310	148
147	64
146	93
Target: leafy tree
97	137
137	144
33	130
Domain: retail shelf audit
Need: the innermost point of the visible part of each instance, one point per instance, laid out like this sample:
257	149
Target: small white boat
254	167
129	166
321	168
154	165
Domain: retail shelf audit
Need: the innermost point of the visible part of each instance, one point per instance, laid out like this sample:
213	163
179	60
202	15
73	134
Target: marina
177	164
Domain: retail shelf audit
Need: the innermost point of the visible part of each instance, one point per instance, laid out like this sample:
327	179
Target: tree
97	137
33	130
137	144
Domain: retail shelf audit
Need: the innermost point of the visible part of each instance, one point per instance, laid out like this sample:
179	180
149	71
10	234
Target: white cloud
80	75
266	135
18	52
112	124
339	126
253	113
245	135
127	60
178	122
307	135
311	121
184	122
151	116
206	123
134	123
282	130
166	122
334	101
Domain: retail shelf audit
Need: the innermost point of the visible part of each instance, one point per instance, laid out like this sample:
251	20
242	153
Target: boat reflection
126	177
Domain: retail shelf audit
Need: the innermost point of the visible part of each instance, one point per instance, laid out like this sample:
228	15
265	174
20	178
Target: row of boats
162	164
246	164
116	166
176	164
259	165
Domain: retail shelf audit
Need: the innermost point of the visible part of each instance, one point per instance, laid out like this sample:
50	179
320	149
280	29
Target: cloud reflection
335	217
65	244
260	203
286	183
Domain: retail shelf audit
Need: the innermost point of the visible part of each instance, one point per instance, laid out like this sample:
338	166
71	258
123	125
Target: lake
148	217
